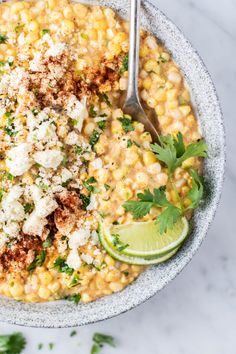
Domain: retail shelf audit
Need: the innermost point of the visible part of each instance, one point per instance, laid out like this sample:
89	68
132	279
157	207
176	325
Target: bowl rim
23	317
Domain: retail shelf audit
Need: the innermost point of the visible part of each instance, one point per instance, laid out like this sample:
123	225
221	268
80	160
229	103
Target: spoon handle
132	91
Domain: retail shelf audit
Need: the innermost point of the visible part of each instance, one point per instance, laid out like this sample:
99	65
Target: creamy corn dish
69	157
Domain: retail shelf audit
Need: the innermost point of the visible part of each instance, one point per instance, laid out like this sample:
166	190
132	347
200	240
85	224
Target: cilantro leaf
172	151
85	200
168	218
101	339
28	208
120	246
75	298
92	112
12	343
45	31
137	208
196	192
61	266
94	138
88	184
125	64
127	124
95	349
38	261
147	200
102	124
3	38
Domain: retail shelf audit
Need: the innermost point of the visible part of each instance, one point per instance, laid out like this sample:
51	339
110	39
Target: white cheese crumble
36	64
49	158
34	225
18	161
65	175
73	260
96	164
77	111
79	238
93	204
87	258
45	206
12	229
72	138
55	50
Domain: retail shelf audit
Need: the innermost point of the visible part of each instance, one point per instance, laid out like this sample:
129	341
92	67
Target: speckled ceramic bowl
64	314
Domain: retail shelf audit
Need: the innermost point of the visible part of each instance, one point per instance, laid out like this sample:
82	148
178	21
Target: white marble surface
196	313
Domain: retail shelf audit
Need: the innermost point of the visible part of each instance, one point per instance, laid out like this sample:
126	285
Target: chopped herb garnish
88	184
65	161
19	27
85	201
45	31
73	333
28	208
48	242
2	191
131	142
9	176
107	187
125	273
172	151
40	346
84	36
105	98
92	112
102	124
102	339
35	111
127	124
38	261
3	38
75	298
51	346
94	138
162	60
12	343
61	266
78	150
125	64
10	127
74	281
120	246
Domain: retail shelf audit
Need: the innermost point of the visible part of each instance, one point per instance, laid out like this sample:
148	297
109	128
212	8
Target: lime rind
146	240
129	259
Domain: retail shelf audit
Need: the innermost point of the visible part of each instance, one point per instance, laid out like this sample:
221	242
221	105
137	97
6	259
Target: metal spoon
132	105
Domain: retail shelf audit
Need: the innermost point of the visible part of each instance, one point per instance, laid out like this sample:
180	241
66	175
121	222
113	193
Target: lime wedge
143	239
112	251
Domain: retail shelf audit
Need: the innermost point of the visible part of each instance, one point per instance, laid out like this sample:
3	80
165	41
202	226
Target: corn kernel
152	65
147	83
149	158
160	95
33	26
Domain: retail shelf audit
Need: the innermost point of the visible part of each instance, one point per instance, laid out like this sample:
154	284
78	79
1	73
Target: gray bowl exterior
65	314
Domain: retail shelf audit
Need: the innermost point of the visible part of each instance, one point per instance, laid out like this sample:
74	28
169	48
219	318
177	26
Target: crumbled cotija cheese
18	160
49	158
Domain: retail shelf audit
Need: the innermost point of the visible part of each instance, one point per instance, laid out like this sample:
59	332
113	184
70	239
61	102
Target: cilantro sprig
12	343
170	213
148	200
173	152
